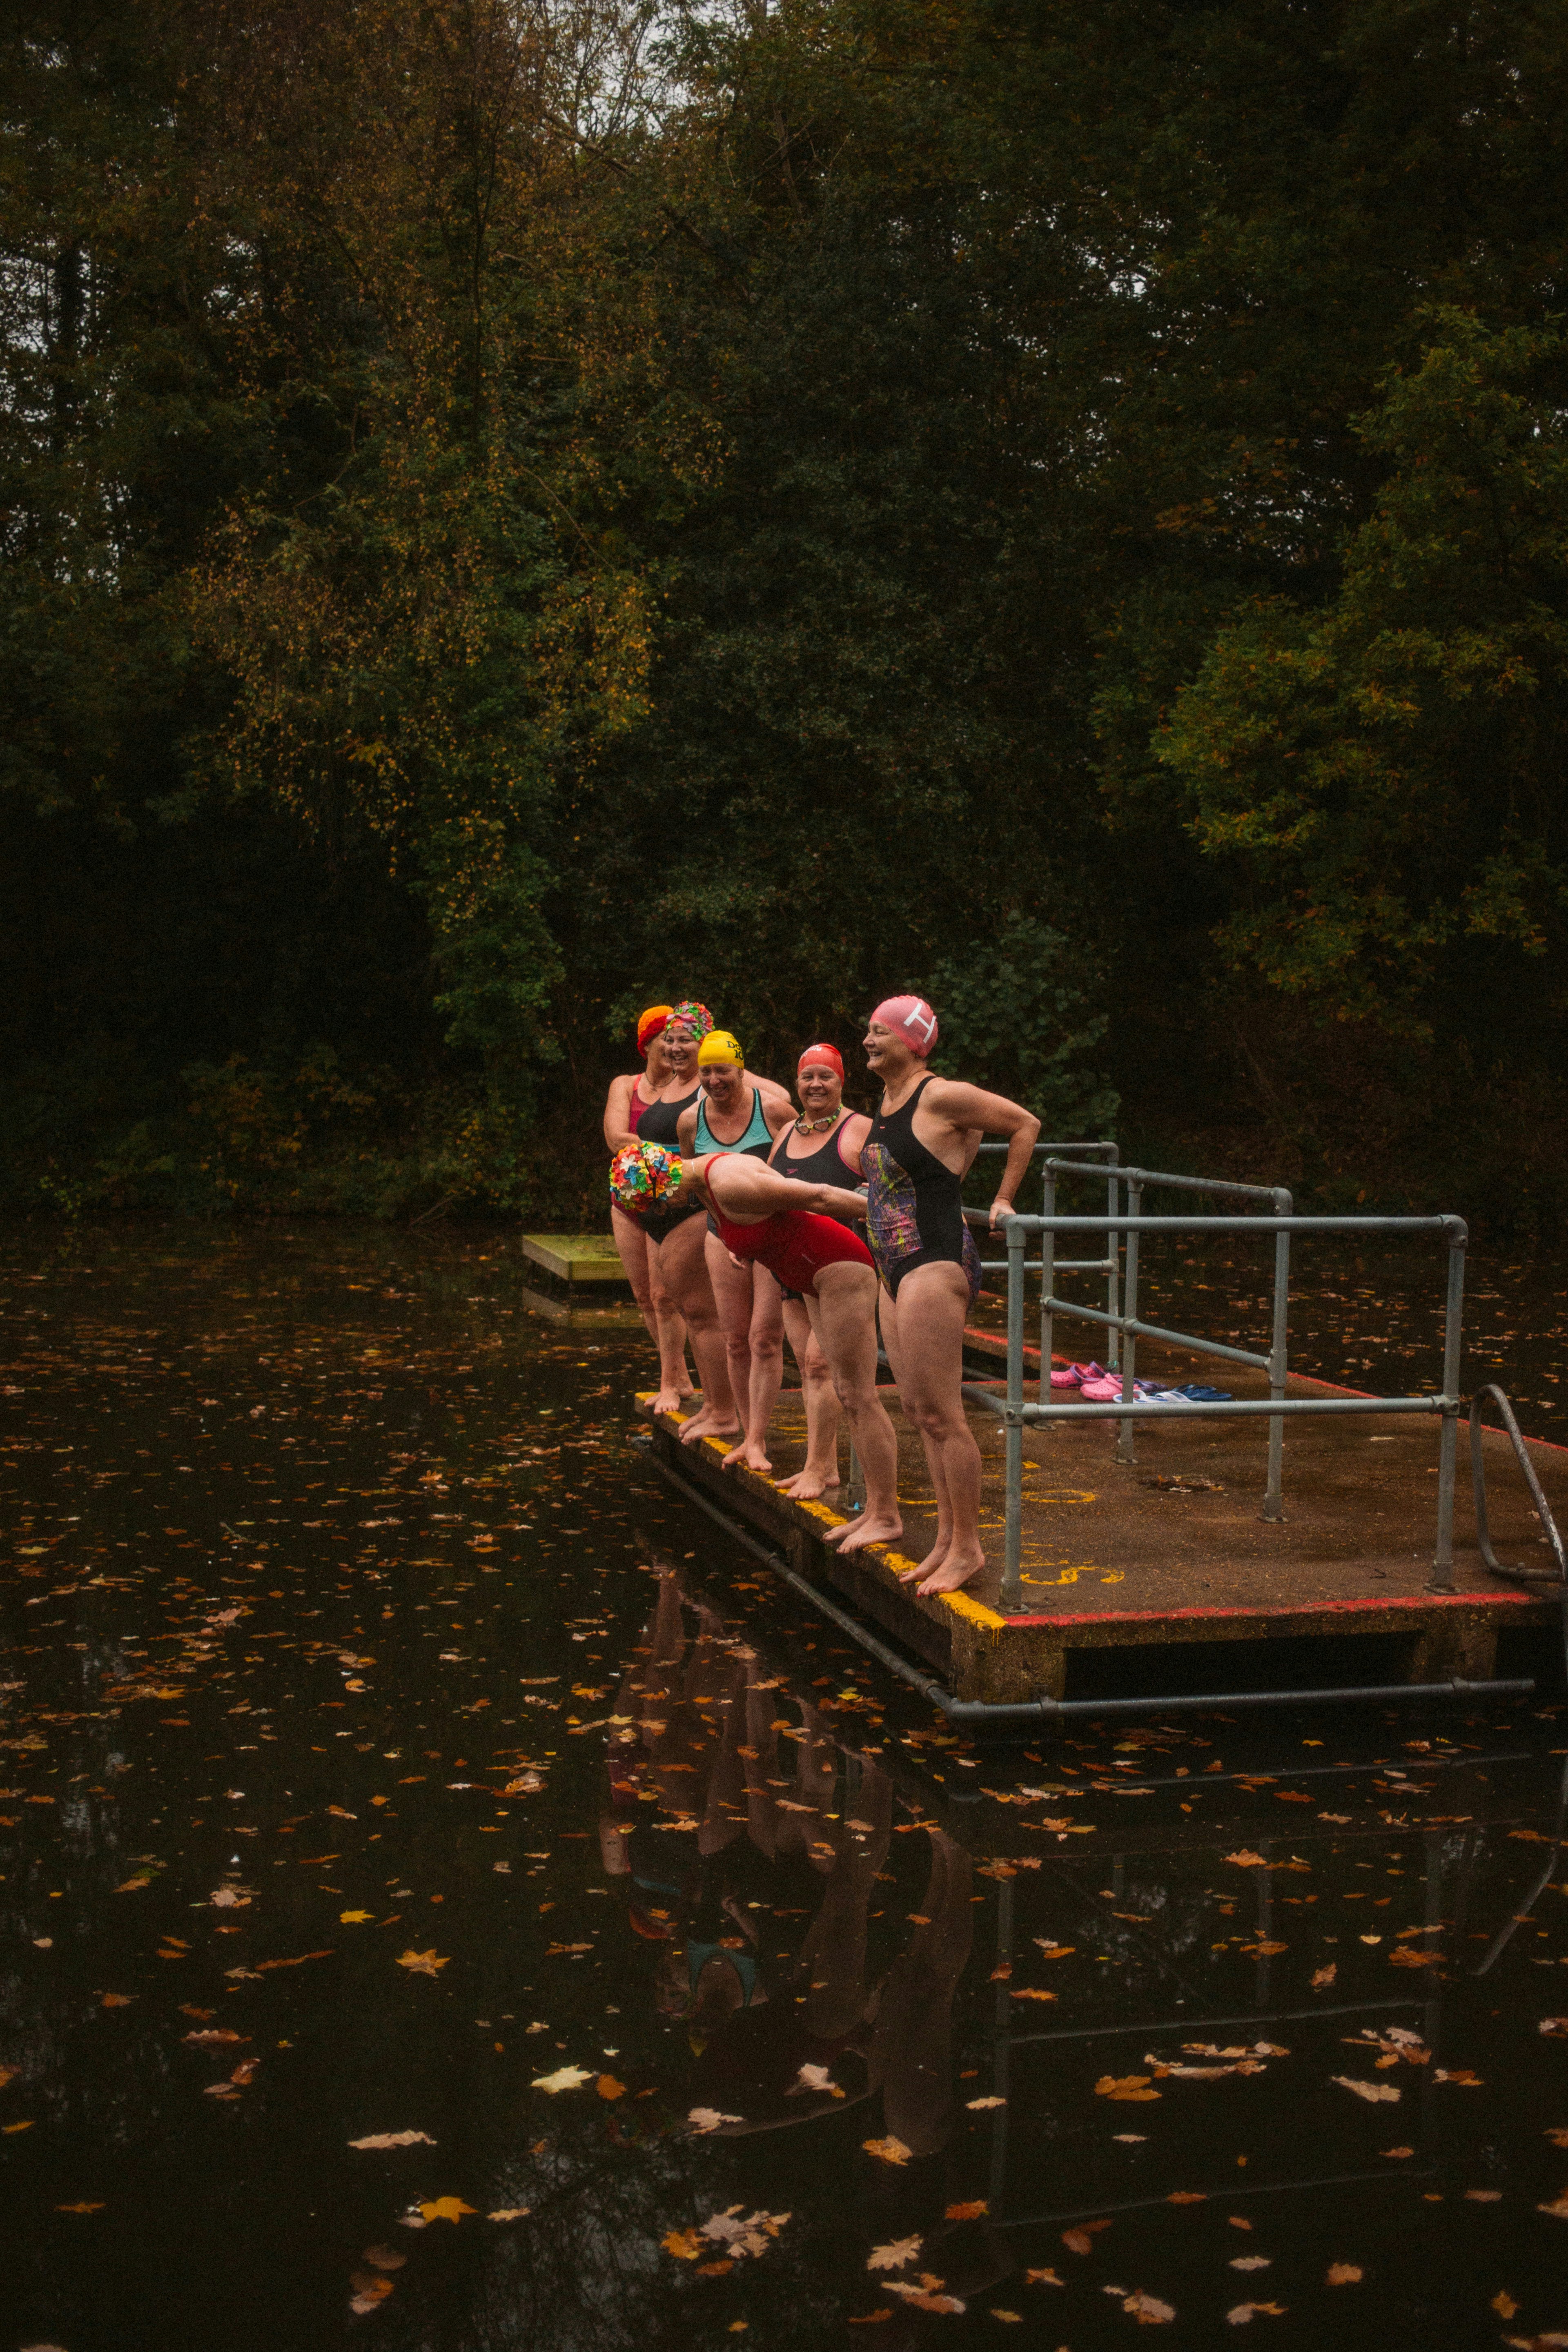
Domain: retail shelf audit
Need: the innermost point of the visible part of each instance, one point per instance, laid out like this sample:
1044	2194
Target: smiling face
658	1069
820	1088
680	1043
886	1050
722	1084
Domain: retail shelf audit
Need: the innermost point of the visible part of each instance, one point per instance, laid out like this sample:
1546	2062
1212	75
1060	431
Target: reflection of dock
1168	2004
1159	1575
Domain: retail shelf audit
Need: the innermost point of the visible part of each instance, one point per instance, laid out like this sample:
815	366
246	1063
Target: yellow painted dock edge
961	1604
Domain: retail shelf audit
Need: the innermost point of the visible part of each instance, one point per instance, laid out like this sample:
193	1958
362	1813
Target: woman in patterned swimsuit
922	1140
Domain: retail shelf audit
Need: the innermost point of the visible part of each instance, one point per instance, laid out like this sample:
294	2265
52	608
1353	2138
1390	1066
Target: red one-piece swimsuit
792	1243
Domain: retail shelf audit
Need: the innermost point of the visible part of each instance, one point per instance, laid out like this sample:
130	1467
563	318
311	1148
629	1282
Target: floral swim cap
643	1176
697	1017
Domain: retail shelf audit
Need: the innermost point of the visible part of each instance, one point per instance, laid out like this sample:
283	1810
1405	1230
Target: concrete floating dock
1161	1575
577	1258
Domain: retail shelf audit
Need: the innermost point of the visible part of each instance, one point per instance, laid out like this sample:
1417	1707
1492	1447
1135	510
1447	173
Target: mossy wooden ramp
1161	1576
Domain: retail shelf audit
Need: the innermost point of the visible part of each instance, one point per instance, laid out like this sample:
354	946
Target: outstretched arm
746	1189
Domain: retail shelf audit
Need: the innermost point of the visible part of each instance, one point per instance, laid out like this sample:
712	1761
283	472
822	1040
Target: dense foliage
514	508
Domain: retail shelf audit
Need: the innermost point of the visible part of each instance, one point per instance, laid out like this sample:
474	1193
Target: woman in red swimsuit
792	1229
629	1098
821	1147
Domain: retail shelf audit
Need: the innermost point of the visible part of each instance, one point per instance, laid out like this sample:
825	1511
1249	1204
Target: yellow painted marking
962	1605
1060	1493
1071	1575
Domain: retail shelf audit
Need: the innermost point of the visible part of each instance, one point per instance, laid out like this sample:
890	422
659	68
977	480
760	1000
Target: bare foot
932	1562
751	1454
708	1423
808	1485
868	1529
670	1400
955	1571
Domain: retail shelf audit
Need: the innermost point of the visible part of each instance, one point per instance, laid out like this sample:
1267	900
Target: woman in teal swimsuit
738	1112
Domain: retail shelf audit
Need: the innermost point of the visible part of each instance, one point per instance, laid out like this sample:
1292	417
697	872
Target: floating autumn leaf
991	2101
230	1898
8	2074
1251	2261
117	1999
1343	2274
889	2150
423	1964
1395	2154
1043	2278
392	2139
1187	2197
204	2037
83	2207
369	2290
1263	1951
1504	2304
708	2119
870	2318
1243	2312
608	2088
1556	2133
1404	1956
1013	2317
893	2257
1247	1860
508	2213
1321	1976
1367	2090
1558	2208
813	2079
1555	2027
1483	2196
1146	2309
1031	1992
355	1918
743	2235
384	2258
1124	2086
684	2245
1081	2240
445	2208
967	2212
924	2299
566	2078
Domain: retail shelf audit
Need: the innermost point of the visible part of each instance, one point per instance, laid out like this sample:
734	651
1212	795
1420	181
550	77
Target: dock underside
1161	1575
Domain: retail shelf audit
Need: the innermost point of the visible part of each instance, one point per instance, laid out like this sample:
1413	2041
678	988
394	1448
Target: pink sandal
1075	1374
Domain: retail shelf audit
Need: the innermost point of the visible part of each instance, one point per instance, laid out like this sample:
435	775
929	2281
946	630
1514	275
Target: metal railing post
1442	1578
1113	1274
1048	1284
1273	1502
1012	1573
1124	1446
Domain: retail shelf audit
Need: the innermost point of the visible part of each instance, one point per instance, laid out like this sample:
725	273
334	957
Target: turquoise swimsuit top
757	1139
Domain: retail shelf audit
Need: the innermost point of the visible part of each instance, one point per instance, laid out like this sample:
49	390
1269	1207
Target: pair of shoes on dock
1195	1392
1076	1375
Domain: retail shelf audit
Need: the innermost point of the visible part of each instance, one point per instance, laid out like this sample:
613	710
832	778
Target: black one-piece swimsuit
659	1122
914	1211
826	1165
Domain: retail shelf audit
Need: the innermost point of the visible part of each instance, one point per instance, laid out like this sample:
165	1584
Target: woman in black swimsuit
676	1235
821	1147
922	1142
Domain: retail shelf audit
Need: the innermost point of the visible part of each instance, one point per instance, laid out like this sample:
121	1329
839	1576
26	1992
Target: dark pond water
387	1758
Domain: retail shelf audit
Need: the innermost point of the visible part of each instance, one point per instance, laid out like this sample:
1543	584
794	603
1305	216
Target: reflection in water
330	1584
776	1822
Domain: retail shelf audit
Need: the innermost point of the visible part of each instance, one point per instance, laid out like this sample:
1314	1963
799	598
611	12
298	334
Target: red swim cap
910	1018
829	1054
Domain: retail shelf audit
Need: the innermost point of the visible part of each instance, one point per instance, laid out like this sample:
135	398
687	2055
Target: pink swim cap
910	1018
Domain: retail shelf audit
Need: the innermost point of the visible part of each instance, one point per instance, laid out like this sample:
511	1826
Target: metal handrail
1017	1414
1537	1496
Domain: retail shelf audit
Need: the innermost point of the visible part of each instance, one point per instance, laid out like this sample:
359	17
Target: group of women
737	1218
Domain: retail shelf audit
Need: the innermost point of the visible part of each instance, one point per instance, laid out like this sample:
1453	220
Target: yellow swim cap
719	1046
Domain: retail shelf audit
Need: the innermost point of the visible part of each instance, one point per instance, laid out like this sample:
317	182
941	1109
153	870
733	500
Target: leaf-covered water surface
449	1899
